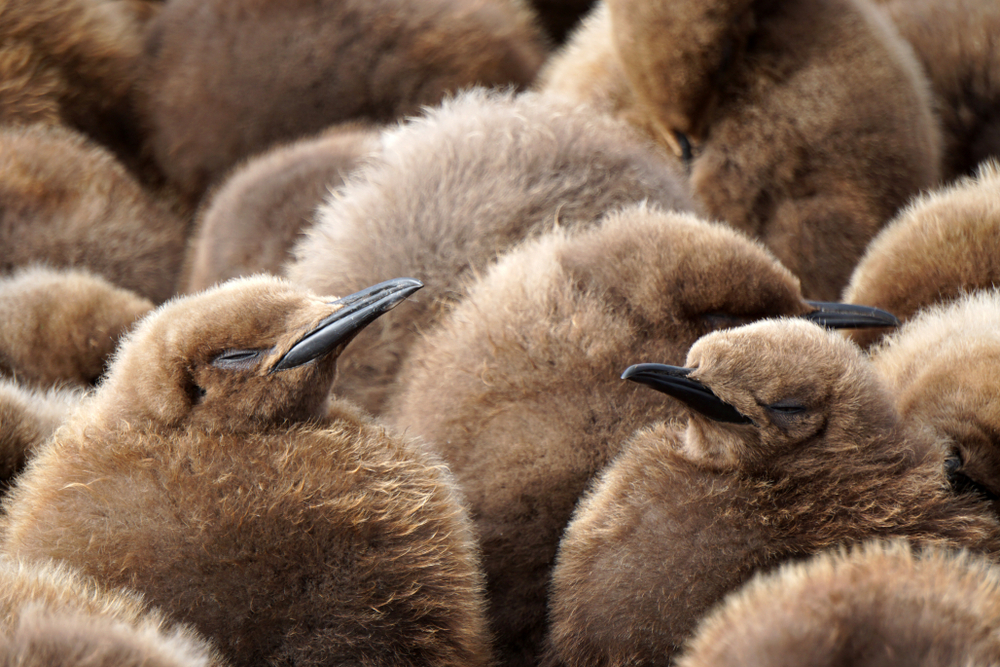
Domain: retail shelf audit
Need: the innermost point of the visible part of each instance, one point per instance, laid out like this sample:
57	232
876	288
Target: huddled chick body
211	473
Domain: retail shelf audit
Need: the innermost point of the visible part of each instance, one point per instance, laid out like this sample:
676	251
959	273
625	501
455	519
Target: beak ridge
849	316
358	311
674	381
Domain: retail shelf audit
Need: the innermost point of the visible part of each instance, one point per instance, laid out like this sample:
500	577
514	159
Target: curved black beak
674	381
359	310
849	316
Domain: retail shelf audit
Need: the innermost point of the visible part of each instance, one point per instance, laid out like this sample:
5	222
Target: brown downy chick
453	190
792	446
53	616
69	203
27	418
258	213
805	124
944	369
942	245
211	473
958	44
519	389
61	326
878	605
75	63
229	78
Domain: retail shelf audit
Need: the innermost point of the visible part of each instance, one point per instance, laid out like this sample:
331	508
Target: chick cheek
711	444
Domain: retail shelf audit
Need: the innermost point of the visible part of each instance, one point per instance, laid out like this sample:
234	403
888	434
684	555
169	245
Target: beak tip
357	311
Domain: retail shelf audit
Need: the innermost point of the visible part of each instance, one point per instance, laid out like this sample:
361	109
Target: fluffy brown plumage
938	247
880	605
27	418
74	62
226	79
687	514
808	123
958	44
944	369
69	203
51	615
211	473
519	388
251	223
453	190
61	326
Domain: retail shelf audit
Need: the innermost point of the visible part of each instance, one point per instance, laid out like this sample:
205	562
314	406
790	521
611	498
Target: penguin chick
792	446
944	369
877	605
75	63
227	79
252	222
518	387
27	418
68	203
938	247
453	190
211	473
958	44
52	615
61	326
804	124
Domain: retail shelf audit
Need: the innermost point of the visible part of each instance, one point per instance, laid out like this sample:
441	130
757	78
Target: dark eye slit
963	484
236	359
786	407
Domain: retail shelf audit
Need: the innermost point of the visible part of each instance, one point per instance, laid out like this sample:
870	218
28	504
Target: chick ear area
674	381
357	311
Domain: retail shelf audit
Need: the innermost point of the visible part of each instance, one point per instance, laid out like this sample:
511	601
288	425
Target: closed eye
786	408
237	360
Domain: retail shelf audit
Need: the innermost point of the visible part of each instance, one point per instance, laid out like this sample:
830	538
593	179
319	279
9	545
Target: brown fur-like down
252	222
74	62
287	529
229	78
958	43
51	615
61	326
810	122
453	190
878	605
519	387
68	203
944	368
941	245
687	514
27	418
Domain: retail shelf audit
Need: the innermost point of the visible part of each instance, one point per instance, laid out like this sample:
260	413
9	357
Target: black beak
674	381
359	310
849	316
686	153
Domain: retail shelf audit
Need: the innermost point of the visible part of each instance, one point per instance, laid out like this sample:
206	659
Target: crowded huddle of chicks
500	333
